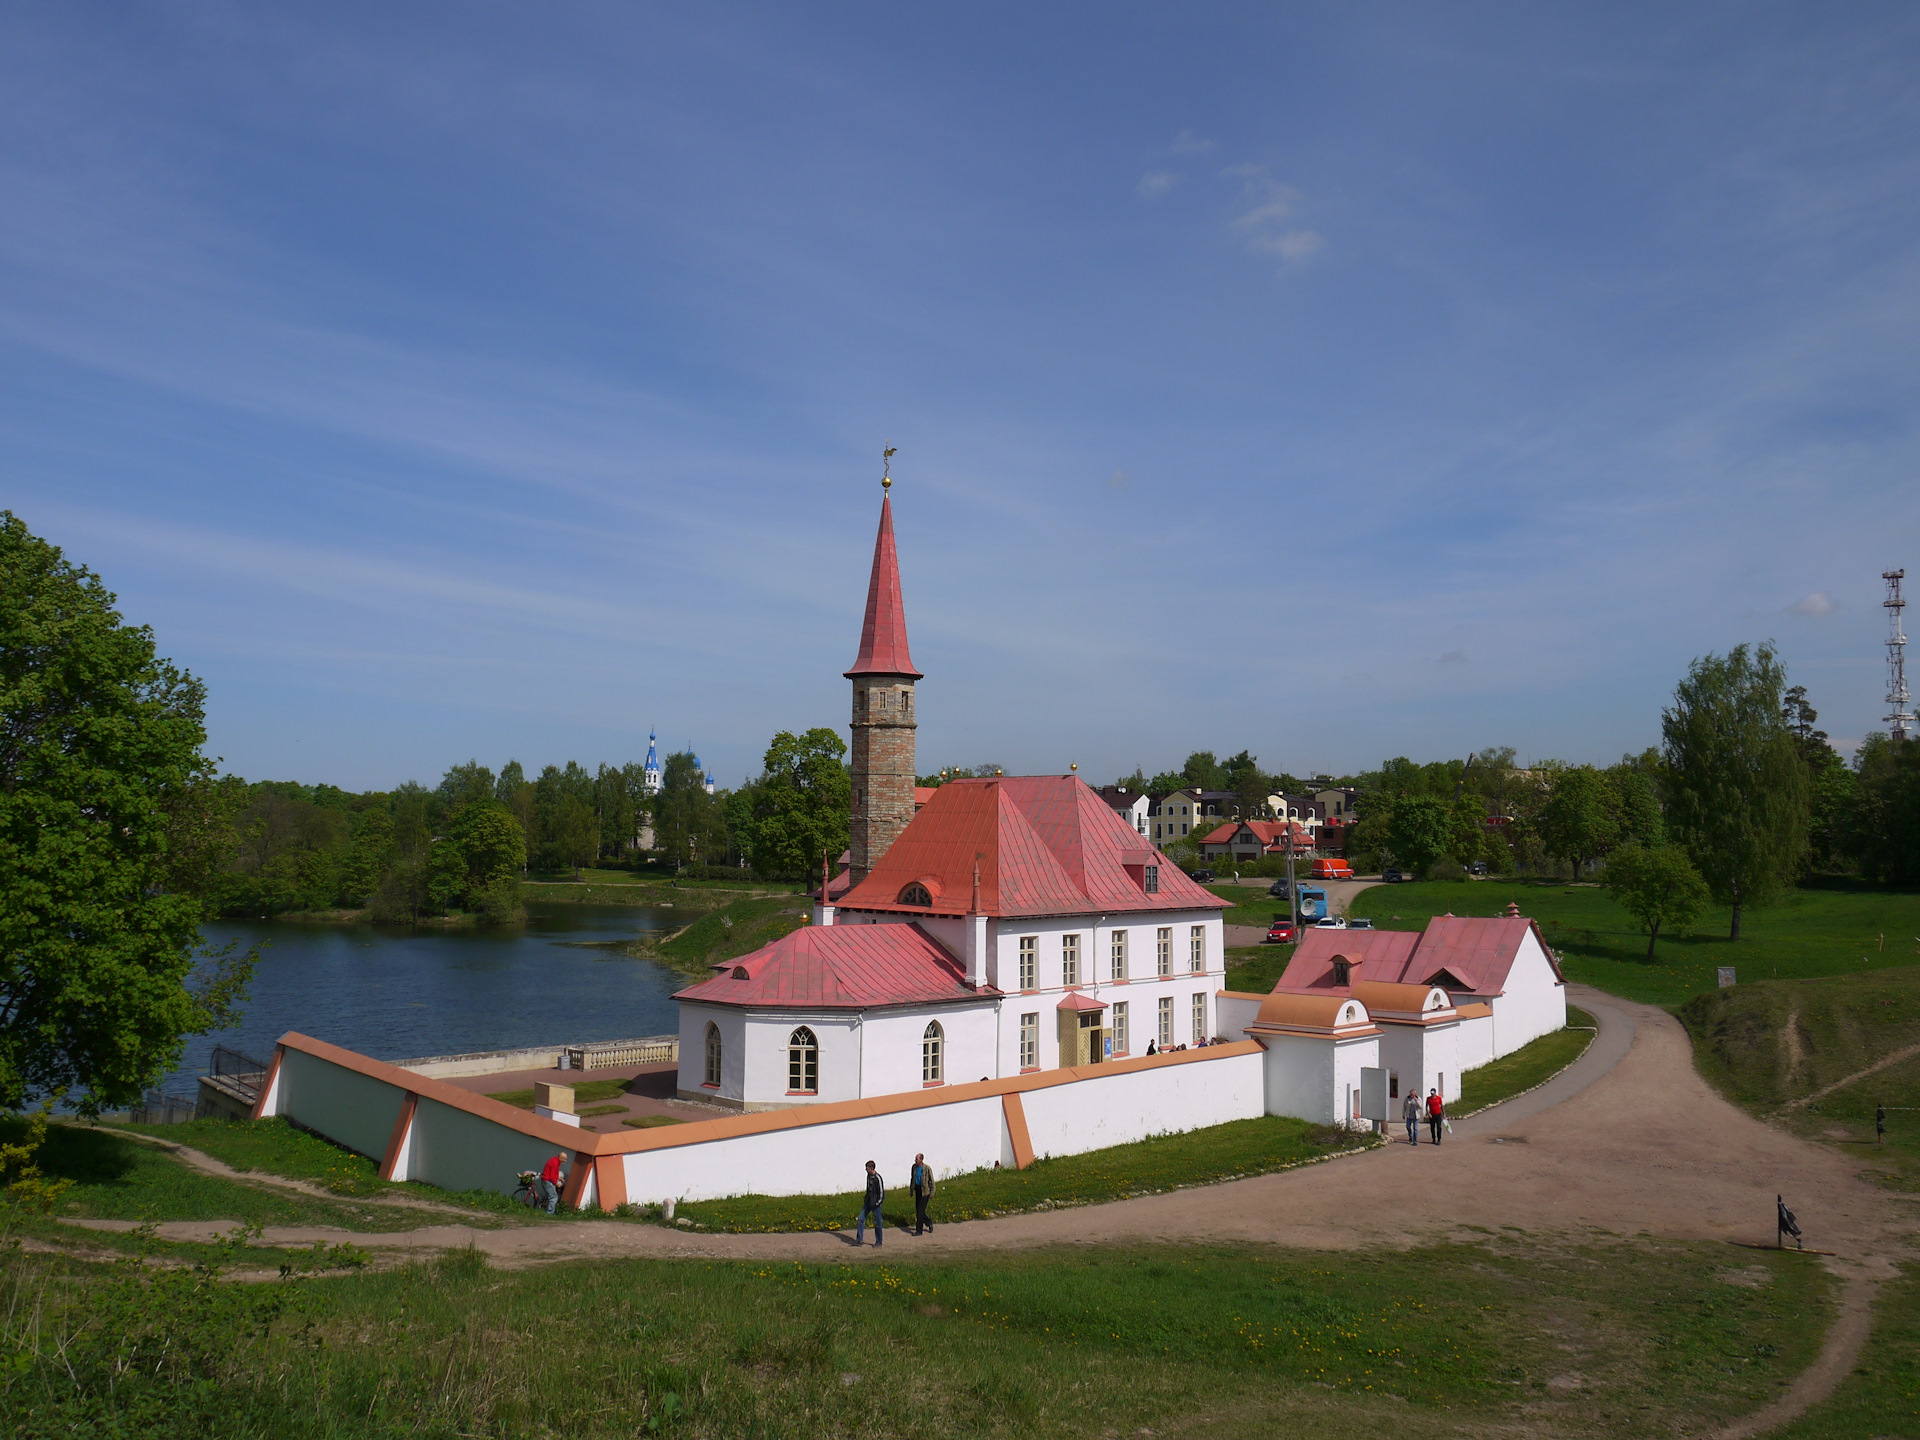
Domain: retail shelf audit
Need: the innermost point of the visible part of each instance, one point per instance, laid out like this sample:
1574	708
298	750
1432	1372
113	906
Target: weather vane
886	465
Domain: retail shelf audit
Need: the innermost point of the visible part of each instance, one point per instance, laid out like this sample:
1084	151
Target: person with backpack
1410	1112
921	1183
1436	1114
870	1205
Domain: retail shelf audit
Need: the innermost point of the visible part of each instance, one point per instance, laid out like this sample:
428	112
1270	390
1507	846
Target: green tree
1417	829
688	824
477	866
1737	786
1203	772
1657	885
801	803
1578	823
1883	822
113	828
1831	786
463	785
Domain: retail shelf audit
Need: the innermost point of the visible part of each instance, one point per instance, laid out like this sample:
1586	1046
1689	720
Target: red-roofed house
1251	839
1503	981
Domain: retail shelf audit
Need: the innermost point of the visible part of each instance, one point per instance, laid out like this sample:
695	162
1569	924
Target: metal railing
157	1109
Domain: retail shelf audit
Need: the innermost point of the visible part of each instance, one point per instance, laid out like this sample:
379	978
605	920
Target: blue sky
1337	382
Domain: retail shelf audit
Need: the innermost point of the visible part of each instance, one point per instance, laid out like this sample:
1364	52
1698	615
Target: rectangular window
1069	960
1151	881
1030	1042
1199	1016
1164	945
1119	955
1166	1021
1183	827
1197	948
1120	1028
1029	962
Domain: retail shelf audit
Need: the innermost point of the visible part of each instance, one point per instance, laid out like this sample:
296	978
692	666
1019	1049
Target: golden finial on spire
886	465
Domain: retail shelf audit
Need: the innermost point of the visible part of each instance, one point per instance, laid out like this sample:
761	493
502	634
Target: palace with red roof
985	928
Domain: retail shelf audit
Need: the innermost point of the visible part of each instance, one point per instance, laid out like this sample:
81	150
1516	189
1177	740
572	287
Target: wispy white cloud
1156	184
1265	222
1187	142
1817	605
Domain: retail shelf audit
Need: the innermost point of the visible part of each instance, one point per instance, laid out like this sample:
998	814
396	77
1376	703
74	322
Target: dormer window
916	894
1150	880
1342	973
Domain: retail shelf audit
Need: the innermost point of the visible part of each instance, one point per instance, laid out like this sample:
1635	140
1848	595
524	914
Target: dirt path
1629	1140
1898	1057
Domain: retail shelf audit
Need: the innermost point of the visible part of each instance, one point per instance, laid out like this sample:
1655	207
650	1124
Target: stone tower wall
883	773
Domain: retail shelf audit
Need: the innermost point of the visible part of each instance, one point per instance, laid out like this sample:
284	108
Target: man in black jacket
876	1192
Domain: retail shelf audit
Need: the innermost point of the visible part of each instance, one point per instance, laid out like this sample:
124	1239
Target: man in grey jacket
1410	1112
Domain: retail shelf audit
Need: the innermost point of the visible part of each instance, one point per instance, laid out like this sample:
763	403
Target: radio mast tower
1899	702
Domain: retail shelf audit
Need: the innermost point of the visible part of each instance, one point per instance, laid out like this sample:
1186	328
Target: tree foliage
1418	828
1737	787
1657	885
112	824
801	803
1883	825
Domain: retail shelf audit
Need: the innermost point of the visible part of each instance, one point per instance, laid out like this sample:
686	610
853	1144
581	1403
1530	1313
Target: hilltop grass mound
1818	1055
1829	930
736	928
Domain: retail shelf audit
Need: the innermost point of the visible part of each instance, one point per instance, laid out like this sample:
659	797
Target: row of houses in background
1212	819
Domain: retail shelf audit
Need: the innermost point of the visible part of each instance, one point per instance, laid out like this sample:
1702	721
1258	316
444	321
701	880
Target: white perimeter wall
1313	1077
349	1108
1426	1056
1474	1041
1132	1106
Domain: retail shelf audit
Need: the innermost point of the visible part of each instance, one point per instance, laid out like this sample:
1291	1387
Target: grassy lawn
1631	1339
1880	1399
736	928
1839	1027
1256	969
1532	1063
1830	930
118	1178
1145	1167
1250	906
588	1092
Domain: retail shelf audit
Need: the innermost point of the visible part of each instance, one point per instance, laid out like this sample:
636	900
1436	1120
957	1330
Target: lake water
398	994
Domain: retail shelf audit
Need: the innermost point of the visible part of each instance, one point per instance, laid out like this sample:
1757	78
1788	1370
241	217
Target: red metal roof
1463	953
841	967
1272	834
1076	1001
883	635
1044	844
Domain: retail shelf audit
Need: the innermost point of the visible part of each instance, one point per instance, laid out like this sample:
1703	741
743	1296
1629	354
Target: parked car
1393	875
1478	867
1203	875
1330	922
1278	889
1332	868
1282	932
1361	924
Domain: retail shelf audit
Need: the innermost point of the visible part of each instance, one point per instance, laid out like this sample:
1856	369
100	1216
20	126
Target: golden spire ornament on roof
886	465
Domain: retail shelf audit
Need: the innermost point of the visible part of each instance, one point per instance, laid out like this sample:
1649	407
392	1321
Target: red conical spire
883	637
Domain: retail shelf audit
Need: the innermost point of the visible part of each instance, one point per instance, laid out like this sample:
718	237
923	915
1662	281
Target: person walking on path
921	1181
550	1177
1879	1124
876	1193
1436	1114
1410	1112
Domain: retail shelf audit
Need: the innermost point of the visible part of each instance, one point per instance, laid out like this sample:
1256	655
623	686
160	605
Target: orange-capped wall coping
590	1143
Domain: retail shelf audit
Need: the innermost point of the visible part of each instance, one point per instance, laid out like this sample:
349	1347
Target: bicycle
527	1192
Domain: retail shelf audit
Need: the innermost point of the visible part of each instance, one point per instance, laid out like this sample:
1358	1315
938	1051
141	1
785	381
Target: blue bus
1310	903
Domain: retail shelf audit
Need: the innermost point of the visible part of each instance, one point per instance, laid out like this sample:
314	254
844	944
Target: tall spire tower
883	716
1899	702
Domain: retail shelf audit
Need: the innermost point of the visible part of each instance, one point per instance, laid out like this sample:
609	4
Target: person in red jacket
1436	1114
550	1178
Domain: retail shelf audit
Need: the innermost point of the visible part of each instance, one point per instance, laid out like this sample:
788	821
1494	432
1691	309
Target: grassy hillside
734	929
1817	932
1794	1051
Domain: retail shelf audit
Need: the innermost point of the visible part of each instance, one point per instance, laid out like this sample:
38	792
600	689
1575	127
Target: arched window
713	1054
803	1063
932	1056
916	894
1342	972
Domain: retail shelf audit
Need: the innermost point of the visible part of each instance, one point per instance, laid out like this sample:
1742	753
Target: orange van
1332	869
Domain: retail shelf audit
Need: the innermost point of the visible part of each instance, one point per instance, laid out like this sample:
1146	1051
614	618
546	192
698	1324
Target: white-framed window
1118	948
1163	948
1069	960
1166	1021
803	1063
1197	948
1030	1042
933	1054
1120	1028
1150	879
1029	962
713	1054
1199	1016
